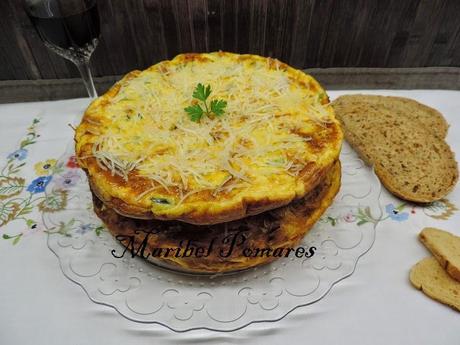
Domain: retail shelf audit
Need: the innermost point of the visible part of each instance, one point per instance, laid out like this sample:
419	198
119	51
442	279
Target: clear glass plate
143	292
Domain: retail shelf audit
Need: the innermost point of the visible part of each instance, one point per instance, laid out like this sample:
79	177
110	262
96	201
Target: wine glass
69	28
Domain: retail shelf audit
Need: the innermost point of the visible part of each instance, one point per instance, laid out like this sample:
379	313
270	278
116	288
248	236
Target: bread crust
445	247
429	277
429	117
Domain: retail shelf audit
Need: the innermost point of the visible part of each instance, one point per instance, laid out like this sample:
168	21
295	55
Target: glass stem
83	67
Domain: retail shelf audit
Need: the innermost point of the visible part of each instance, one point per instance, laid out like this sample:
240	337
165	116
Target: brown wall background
303	33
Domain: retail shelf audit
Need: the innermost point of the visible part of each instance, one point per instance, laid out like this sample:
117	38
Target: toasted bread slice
429	117
445	247
429	277
412	162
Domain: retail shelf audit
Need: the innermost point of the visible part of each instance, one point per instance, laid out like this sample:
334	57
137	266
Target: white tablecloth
376	305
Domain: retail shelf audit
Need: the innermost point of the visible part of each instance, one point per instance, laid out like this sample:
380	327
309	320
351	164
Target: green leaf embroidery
16	239
54	202
27	142
367	212
332	220
98	230
11	186
28	208
15	169
8	211
65	228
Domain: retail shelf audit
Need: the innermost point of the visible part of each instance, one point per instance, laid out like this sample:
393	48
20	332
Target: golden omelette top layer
146	158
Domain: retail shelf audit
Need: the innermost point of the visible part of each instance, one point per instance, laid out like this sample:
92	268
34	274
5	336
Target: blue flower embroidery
39	184
20	154
395	213
84	228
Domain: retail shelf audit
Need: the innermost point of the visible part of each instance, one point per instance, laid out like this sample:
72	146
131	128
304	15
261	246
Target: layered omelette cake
207	140
230	246
147	159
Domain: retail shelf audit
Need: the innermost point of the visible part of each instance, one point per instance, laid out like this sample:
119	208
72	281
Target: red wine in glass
69	28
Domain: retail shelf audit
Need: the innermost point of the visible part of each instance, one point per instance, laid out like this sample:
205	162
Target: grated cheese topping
265	130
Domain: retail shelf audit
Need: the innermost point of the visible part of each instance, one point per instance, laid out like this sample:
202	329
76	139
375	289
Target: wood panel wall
304	33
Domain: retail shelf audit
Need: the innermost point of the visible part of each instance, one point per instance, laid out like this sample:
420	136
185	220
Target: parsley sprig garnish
196	111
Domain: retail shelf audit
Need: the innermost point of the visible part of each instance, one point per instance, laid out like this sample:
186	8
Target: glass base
143	292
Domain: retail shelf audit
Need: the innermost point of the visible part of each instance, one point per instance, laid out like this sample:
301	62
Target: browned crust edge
453	271
301	218
243	209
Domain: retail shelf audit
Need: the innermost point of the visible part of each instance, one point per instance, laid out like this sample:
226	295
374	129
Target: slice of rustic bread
429	117
412	162
429	277
445	247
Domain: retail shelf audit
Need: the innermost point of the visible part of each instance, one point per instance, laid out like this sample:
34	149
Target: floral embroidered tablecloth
35	135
